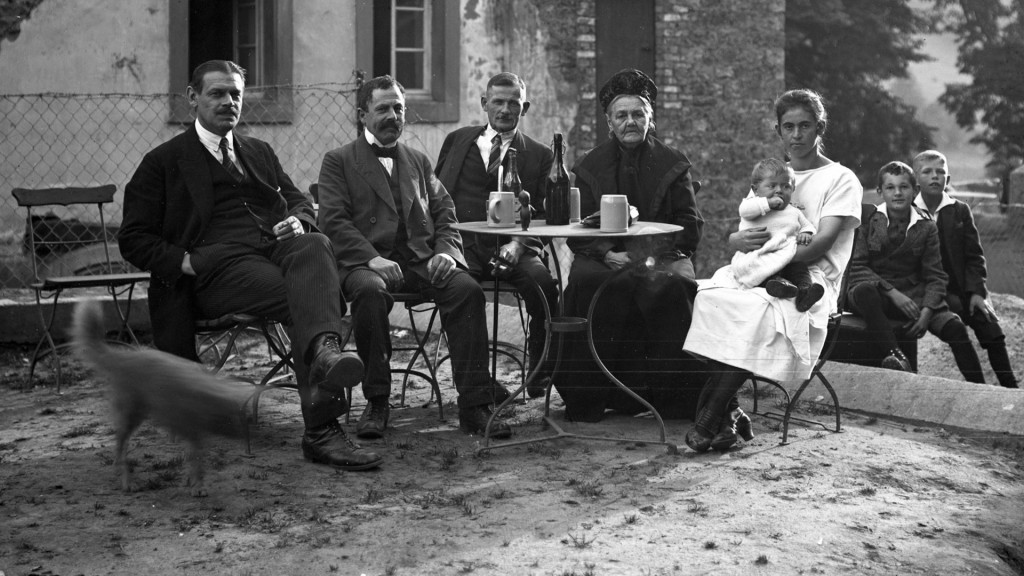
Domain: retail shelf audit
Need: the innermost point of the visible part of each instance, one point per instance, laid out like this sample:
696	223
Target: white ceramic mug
614	213
501	210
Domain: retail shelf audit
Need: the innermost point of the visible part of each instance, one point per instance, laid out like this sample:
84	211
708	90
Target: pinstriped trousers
294	282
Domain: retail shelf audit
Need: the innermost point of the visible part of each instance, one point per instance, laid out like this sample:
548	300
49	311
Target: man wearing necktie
468	168
222	229
389	220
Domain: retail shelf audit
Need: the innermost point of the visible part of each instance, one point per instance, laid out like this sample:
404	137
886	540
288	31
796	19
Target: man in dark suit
212	215
389	219
468	168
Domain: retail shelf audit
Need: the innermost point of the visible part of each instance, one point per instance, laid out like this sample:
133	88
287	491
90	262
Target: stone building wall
719	66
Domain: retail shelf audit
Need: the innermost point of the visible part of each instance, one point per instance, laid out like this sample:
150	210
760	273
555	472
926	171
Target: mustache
391	123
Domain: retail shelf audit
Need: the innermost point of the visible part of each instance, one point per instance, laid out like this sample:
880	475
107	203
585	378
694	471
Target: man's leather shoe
332	370
330	445
473	420
538	386
374	420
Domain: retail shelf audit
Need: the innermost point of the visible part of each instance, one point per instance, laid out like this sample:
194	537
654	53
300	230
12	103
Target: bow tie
382	152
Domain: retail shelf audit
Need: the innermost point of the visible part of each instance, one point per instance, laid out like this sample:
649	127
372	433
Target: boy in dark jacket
896	273
963	261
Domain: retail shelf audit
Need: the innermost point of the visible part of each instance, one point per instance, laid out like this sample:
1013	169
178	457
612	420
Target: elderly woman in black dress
641	320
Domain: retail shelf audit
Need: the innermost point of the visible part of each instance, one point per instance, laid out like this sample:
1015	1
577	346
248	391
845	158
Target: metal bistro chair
217	338
414	303
61	262
839	322
835	319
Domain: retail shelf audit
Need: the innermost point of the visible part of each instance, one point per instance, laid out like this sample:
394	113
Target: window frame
439	103
265	106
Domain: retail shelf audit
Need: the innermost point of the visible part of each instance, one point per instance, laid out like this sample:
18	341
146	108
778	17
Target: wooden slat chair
47	246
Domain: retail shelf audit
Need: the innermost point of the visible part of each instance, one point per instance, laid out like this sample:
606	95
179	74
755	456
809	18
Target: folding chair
837	320
217	337
65	256
415	303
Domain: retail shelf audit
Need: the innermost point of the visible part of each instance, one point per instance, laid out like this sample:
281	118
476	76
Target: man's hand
904	304
979	305
288	228
750	239
389	270
511	252
804	238
920	326
440	267
616	260
186	265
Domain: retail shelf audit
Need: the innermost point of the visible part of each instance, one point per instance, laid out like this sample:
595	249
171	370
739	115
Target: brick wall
719	66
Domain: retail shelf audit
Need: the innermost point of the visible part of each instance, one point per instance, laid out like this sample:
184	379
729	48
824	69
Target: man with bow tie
221	227
389	219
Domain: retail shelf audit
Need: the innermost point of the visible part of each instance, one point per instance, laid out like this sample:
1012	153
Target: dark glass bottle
556	207
512	183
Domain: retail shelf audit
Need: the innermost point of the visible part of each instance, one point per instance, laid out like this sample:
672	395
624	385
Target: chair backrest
77	242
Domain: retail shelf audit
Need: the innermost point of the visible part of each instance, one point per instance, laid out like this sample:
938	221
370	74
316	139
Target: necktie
226	162
495	158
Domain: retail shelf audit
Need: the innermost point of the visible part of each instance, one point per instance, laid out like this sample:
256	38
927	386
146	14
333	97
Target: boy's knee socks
954	333
1000	360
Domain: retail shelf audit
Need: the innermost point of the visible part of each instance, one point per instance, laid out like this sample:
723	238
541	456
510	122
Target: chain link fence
94	139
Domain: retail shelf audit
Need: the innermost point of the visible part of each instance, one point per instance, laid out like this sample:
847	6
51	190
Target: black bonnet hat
628	82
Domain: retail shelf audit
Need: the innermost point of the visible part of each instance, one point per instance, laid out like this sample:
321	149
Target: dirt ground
880	498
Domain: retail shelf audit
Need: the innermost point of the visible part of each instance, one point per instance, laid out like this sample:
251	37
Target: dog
177	394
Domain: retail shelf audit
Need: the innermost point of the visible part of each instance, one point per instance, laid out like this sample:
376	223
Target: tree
846	50
990	38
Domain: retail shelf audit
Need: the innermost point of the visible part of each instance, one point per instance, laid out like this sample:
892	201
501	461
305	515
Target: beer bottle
512	182
557	204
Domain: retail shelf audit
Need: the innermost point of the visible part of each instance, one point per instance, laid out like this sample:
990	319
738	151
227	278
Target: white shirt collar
211	141
915	216
484	142
373	140
506	137
947	200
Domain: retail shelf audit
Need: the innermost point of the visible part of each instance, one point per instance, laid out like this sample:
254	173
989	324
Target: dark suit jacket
533	158
914	267
964	259
358	213
167	206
